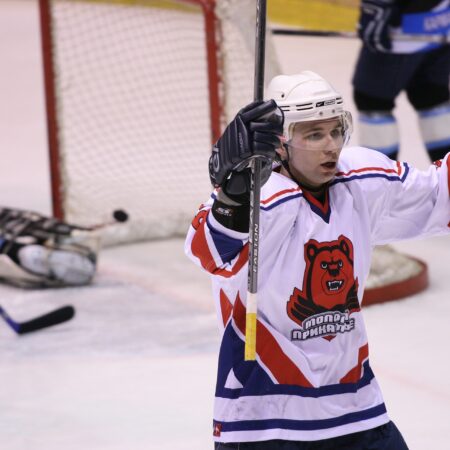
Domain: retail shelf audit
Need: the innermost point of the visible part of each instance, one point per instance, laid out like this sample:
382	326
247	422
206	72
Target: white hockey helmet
307	97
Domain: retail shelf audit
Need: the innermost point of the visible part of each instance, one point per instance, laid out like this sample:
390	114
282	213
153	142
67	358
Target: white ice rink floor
135	369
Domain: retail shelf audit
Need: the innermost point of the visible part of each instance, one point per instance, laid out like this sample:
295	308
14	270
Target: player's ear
282	151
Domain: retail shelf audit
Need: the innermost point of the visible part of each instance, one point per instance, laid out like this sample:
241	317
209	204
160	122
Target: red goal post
136	90
212	31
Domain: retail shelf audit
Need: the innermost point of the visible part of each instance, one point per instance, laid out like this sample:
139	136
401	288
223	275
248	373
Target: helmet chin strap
285	164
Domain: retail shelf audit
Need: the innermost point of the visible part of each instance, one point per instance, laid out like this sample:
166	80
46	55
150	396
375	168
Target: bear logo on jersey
329	293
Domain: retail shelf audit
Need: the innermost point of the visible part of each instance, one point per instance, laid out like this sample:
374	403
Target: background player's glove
375	19
44	251
254	132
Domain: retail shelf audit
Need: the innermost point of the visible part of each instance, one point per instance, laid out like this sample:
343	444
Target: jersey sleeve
216	249
223	251
415	205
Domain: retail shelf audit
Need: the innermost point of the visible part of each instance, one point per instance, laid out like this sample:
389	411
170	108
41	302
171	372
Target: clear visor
321	135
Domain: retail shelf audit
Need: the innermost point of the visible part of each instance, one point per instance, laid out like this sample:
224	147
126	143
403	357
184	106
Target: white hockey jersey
312	379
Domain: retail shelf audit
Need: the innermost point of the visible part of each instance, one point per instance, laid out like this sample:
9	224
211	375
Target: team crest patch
329	294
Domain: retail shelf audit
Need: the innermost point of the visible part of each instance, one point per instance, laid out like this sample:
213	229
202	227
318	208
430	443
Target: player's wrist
231	214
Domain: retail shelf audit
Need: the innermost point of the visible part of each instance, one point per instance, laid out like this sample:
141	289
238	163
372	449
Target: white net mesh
389	266
133	107
238	18
133	110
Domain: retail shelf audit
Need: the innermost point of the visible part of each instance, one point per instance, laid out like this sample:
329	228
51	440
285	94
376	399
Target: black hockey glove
254	132
17	223
376	18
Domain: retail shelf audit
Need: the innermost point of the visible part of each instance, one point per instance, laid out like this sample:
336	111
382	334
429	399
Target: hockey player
323	208
40	251
387	66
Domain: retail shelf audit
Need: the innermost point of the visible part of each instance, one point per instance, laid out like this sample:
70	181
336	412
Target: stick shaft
260	49
432	38
255	191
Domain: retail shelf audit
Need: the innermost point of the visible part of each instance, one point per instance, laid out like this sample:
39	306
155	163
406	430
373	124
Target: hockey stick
255	192
55	317
431	38
119	216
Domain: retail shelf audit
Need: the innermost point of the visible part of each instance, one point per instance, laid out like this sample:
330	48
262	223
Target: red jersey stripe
354	375
270	352
200	249
226	307
279	194
375	169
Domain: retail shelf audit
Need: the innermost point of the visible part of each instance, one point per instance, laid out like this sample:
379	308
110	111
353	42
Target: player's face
314	151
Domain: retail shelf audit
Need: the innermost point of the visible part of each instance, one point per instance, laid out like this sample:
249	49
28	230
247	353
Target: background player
387	66
322	210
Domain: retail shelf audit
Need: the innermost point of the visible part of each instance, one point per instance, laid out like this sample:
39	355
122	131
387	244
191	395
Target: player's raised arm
418	204
254	133
220	229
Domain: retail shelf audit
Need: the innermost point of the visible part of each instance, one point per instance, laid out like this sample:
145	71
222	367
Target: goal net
136	92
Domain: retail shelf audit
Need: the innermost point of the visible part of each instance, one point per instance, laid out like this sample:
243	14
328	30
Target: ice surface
135	368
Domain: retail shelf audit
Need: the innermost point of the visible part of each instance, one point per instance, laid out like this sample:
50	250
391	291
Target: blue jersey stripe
273	205
262	389
289	424
325	215
226	246
374	175
403	178
279	202
369	175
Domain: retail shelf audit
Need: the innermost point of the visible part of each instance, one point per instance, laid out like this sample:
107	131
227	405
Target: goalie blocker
40	251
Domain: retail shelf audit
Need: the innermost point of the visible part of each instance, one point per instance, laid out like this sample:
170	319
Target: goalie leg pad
67	268
435	128
40	251
12	273
379	131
